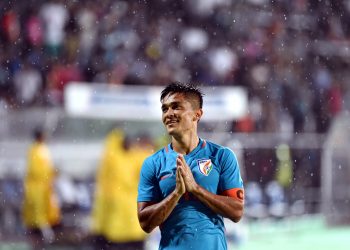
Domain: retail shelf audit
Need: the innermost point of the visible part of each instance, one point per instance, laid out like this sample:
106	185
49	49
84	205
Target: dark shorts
36	234
102	243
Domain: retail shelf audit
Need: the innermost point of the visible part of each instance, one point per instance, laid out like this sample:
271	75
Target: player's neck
185	144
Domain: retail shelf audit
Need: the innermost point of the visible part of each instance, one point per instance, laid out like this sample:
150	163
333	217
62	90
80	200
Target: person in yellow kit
114	215
40	209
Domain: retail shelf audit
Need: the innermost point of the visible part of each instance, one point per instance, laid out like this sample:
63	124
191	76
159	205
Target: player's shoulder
220	150
217	147
213	145
155	157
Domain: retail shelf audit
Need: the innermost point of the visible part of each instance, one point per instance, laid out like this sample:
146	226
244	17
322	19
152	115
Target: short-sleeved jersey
191	225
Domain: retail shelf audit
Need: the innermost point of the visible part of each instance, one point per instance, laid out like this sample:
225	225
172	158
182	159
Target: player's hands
186	173
180	188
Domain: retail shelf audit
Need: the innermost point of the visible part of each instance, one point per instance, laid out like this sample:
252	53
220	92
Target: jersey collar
202	143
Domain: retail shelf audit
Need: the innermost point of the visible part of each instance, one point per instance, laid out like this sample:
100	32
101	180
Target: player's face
178	114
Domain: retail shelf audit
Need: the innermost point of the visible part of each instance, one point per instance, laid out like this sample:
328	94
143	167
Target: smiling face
179	115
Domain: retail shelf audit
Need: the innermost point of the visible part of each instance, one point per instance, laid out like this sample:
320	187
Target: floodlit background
276	78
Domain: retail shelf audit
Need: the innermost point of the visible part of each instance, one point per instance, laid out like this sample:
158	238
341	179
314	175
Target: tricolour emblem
205	166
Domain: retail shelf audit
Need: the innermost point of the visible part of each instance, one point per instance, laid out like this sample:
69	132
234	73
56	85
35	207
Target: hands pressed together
221	204
184	177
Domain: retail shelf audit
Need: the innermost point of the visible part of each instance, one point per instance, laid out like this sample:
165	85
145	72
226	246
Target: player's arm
229	204
225	205
152	214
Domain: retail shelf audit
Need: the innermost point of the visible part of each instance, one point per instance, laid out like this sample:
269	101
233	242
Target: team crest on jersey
205	166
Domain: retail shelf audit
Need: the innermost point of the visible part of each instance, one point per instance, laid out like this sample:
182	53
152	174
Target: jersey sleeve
230	176
148	189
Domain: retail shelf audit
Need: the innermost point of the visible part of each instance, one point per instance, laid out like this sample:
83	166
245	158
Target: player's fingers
178	177
183	166
181	170
179	165
180	183
181	178
178	162
182	158
177	171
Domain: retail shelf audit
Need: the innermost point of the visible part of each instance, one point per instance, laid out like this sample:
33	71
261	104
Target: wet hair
190	91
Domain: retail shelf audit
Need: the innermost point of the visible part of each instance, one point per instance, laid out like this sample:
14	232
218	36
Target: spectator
28	83
11	26
34	29
58	77
54	15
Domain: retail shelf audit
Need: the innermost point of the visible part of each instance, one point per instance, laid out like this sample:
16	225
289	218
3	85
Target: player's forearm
223	205
152	216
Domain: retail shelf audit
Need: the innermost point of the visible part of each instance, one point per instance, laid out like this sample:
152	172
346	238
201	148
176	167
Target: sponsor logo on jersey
205	166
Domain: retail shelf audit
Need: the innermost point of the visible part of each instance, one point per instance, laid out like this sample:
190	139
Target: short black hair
38	133
188	89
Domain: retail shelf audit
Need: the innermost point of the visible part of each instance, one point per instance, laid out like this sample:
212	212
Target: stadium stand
292	57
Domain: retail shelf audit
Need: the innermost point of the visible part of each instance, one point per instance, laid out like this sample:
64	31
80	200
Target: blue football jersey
191	225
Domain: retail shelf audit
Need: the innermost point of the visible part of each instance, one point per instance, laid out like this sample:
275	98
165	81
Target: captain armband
236	193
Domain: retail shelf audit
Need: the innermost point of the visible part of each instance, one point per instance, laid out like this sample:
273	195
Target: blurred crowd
291	56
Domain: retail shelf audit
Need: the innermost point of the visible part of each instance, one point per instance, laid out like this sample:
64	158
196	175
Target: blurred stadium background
276	77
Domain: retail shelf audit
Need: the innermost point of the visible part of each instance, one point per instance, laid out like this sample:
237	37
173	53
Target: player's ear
198	115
